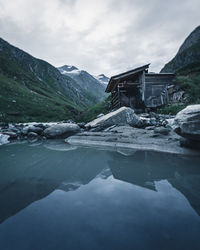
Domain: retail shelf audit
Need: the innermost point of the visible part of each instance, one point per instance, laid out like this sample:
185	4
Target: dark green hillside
186	65
34	90
20	104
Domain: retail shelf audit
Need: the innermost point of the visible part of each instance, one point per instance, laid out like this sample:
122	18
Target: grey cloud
109	37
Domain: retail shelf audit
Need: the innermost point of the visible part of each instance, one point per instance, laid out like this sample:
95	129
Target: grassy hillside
20	104
33	90
92	112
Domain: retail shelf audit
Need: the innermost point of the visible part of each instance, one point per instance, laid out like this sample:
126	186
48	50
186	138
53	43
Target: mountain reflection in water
31	173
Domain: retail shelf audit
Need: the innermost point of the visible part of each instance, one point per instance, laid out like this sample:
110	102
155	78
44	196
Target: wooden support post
119	96
144	87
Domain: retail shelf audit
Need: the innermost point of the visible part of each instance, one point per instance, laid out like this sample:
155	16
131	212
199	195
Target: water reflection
94	199
31	173
144	168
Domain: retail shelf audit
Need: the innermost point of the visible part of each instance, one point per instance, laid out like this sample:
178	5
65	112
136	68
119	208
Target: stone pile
186	124
35	131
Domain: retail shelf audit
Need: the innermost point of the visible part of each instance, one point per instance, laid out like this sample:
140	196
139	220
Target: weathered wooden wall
156	89
142	88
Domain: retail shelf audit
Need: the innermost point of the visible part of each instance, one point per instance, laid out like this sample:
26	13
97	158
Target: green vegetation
20	104
171	109
34	90
91	113
191	86
188	79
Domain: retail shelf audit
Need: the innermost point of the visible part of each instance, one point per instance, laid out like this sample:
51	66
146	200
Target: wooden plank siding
156	89
139	89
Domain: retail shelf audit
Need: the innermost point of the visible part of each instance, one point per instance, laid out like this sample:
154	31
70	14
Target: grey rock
25	131
161	130
40	125
14	129
96	129
153	121
4	139
168	127
81	124
155	135
122	116
35	129
145	115
187	122
12	135
61	130
188	143
164	123
150	128
127	137
32	135
154	115
109	128
100	115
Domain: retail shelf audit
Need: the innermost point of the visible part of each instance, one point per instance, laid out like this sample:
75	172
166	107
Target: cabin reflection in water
139	89
145	168
36	172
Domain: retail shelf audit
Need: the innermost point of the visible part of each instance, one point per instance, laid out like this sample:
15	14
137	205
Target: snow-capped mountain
85	80
67	68
102	79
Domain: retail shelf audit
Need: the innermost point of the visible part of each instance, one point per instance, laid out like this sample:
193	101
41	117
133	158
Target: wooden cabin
139	89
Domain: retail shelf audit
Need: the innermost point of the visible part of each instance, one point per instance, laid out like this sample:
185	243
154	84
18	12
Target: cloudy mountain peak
85	80
67	68
102	79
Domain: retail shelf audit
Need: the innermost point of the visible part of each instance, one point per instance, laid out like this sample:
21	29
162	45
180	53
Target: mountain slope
186	65
188	55
87	82
32	89
102	79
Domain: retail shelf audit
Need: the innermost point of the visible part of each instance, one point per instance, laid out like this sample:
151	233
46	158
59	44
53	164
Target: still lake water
53	196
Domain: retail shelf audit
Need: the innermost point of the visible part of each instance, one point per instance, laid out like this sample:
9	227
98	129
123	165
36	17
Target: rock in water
122	116
61	130
187	122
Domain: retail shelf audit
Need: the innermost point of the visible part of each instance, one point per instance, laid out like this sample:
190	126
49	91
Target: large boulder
122	116
62	130
187	122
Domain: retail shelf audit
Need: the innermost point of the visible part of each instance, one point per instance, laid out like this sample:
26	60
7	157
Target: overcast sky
100	36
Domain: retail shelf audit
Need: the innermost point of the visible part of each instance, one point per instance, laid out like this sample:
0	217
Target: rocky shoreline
120	129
